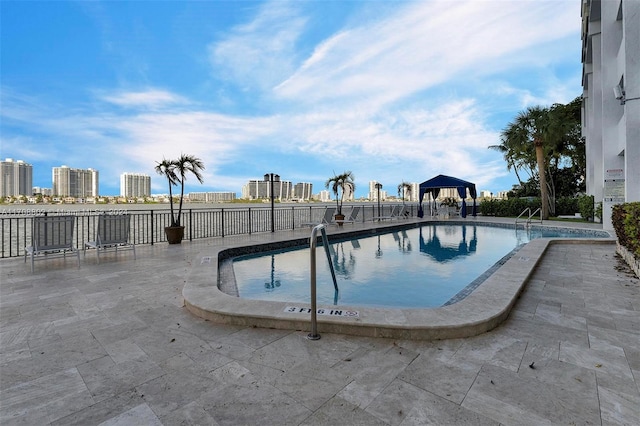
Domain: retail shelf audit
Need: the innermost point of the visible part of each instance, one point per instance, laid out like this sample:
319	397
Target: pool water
419	267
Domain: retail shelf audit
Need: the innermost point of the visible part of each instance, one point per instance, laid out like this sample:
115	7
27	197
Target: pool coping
484	309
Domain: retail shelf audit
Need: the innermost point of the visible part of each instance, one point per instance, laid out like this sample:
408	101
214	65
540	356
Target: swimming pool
422	267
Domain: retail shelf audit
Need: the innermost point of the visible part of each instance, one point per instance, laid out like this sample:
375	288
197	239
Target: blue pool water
411	268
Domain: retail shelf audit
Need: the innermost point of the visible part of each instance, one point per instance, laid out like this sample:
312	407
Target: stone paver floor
112	344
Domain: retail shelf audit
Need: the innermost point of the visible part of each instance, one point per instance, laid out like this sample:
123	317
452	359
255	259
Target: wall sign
614	186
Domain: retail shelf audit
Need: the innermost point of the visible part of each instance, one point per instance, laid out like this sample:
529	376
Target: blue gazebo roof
433	186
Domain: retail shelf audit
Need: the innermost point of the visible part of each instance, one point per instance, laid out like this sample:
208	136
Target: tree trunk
544	198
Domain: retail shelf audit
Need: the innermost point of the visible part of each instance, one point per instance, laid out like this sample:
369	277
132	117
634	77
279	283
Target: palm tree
166	168
176	173
338	184
183	165
532	127
403	188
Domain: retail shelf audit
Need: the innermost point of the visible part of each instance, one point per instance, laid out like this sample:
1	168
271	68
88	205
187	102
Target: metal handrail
528	209
523	212
313	242
534	213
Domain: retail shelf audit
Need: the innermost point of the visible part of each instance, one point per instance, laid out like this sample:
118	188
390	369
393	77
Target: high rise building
256	189
373	192
212	197
79	183
16	178
414	192
324	195
611	101
42	191
135	185
303	191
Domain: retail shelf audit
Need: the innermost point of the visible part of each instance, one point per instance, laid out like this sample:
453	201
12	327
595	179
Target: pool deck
114	344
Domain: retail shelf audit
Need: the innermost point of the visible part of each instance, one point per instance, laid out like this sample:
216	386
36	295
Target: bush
515	206
567	206
510	207
586	206
626	223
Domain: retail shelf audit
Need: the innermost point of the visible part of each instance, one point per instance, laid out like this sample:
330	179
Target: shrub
567	206
510	207
626	223
586	206
515	206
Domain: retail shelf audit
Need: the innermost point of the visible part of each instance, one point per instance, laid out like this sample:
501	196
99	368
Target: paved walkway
112	344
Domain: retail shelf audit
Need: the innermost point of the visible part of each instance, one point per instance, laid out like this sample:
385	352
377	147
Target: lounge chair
392	215
326	219
51	236
112	233
352	217
403	212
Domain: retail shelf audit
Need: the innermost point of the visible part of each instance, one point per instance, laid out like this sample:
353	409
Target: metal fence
147	226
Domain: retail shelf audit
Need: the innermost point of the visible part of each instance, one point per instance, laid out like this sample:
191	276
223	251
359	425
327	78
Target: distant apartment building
257	189
408	191
47	192
135	185
414	192
448	193
79	183
16	178
373	191
349	193
212	197
303	191
324	195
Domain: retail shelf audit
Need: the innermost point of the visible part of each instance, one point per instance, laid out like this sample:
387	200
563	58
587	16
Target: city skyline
392	91
137	185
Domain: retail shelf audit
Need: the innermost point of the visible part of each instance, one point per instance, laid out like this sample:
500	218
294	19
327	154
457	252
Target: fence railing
147	226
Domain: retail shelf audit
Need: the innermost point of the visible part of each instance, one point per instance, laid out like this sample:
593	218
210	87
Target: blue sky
391	90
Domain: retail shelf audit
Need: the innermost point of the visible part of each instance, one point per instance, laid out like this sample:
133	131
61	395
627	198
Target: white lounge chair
112	232
392	215
51	236
326	218
353	215
403	212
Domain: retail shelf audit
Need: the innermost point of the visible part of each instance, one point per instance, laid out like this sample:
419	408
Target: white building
303	191
212	197
43	191
411	193
373	191
324	195
135	185
79	183
255	189
611	101
16	178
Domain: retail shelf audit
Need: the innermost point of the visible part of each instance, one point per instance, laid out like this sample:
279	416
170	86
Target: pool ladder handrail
528	209
313	242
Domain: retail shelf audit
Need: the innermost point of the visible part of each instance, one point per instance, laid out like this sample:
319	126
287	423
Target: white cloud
261	53
150	98
406	96
422	45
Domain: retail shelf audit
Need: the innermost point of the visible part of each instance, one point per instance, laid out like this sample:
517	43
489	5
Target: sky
392	91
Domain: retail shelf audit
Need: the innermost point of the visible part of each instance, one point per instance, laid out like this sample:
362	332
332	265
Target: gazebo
433	186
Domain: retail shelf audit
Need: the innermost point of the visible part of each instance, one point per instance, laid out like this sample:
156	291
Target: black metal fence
147	226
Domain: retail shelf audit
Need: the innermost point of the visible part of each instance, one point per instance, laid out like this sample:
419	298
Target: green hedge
626	222
515	206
